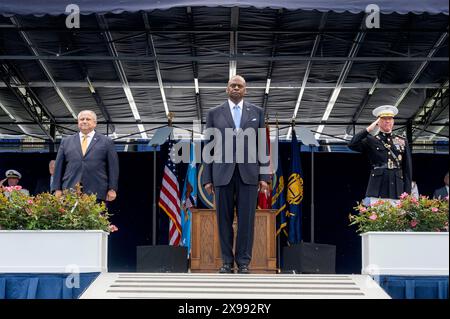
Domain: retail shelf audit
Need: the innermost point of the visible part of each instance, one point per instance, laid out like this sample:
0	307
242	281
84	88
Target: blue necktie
237	116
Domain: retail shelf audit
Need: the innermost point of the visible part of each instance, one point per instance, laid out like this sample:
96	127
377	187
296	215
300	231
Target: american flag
169	198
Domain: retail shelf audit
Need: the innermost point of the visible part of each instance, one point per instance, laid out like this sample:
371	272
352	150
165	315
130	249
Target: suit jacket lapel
227	113
78	143
92	143
245	114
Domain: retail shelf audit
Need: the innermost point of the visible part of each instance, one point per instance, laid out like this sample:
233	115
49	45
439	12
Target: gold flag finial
170	117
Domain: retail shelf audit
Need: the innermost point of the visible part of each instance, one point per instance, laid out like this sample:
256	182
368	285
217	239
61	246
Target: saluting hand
372	126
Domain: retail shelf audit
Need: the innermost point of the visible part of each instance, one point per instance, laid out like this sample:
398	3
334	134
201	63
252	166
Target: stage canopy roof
57	7
133	62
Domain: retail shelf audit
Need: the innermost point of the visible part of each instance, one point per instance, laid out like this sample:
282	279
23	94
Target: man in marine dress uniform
389	156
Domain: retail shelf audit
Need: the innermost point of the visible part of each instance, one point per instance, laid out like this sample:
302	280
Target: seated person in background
443	191
43	184
12	179
414	190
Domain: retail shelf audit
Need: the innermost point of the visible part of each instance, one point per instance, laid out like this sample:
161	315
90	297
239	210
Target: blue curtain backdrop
131	211
42	286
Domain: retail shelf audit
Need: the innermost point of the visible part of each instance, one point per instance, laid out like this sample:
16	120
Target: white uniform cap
11	173
385	111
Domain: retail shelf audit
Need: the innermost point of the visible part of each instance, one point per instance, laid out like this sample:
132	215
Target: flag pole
292	135
312	193
191	149
279	234
169	122
154	198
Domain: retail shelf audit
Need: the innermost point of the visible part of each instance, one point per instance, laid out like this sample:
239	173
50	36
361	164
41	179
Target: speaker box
309	258
161	259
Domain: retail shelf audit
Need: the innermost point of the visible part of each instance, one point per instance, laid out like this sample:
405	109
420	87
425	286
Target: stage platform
232	286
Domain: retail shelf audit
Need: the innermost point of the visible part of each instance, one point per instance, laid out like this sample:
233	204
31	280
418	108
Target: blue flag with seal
279	200
295	193
188	201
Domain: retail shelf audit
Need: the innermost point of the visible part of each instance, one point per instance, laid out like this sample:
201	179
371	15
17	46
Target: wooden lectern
205	249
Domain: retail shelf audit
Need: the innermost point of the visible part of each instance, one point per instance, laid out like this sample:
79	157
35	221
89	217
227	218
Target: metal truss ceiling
322	69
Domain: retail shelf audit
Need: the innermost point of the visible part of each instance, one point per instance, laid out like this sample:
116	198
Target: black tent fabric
56	7
314	62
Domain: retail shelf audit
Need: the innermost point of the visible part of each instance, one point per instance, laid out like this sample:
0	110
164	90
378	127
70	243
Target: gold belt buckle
390	165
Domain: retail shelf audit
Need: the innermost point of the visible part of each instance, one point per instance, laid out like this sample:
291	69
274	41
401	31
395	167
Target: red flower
373	216
113	228
377	203
403	195
13	188
413	223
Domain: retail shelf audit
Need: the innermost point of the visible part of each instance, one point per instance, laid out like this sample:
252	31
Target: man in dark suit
87	158
389	156
235	174
443	191
43	184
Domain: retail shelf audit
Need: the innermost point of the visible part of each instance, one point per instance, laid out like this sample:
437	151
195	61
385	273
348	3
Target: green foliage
73	210
408	214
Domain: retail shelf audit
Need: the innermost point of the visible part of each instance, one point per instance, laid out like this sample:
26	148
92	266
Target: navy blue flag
279	199
295	193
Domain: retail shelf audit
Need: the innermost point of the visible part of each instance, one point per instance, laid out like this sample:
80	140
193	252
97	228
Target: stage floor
232	286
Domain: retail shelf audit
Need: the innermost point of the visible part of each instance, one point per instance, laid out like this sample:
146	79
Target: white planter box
53	251
405	253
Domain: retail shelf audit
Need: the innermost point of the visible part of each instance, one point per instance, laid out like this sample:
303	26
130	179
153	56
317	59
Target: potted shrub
51	234
404	237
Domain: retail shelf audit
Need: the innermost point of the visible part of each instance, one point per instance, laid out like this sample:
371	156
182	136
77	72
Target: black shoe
226	269
243	269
